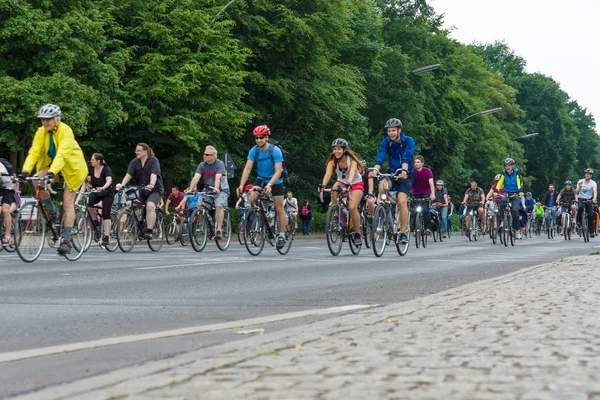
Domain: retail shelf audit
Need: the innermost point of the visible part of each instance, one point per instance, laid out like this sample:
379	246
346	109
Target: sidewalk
532	334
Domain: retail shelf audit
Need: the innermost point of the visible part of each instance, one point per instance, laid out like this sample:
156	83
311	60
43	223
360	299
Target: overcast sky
560	39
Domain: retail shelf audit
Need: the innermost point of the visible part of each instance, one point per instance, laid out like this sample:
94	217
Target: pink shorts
357	186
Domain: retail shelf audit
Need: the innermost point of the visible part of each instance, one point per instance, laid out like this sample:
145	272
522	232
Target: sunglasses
208	154
260	137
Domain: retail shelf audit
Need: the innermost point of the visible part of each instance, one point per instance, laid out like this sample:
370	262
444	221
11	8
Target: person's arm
465	199
125	181
445	199
353	168
500	183
237	203
431	188
482	195
409	152
381	156
63	149
595	193
328	173
194	181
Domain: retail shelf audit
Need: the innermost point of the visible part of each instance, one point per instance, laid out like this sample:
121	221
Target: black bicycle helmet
339	142
393	123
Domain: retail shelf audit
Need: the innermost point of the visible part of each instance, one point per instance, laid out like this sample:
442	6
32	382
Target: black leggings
106	198
589	208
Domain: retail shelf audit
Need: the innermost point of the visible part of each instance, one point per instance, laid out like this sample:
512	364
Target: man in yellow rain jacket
54	150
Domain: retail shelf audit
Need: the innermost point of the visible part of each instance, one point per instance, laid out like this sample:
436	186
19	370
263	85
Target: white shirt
291	205
587	189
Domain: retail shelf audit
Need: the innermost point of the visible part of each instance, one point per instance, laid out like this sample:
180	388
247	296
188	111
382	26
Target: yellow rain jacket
69	160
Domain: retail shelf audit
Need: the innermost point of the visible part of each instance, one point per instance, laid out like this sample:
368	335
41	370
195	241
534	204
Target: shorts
8	196
476	207
218	200
402	186
355	186
276	189
153	197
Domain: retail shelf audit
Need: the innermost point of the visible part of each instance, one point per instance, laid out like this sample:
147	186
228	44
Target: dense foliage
182	74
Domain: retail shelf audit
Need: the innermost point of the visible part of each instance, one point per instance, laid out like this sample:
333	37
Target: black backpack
8	166
273	143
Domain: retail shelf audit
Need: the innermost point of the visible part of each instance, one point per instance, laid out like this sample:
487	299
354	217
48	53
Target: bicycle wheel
127	232
79	235
290	230
424	236
511	232
198	230
584	227
403	248
418	229
223	243
254	232
366	227
171	232
353	247
184	232
549	227
11	248
30	231
334	230
240	232
112	237
379	230
158	233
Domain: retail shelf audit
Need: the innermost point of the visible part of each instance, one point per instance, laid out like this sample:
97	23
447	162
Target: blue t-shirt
266	168
530	203
192	200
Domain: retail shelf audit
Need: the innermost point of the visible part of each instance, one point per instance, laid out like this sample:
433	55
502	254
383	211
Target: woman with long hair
348	169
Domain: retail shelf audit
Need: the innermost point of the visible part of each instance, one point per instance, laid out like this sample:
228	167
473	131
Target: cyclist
189	202
291	206
492	200
539	213
450	213
566	200
268	170
399	149
348	169
100	178
474	200
587	190
213	173
54	150
441	202
510	181
7	193
423	187
175	198
550	202
145	170
527	208
245	199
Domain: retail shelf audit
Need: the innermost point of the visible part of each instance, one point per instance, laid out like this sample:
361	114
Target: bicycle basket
132	194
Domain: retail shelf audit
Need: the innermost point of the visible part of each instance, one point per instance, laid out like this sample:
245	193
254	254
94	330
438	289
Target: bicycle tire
88	220
379	230
402	248
30	232
289	235
112	238
79	235
418	229
240	232
353	247
223	243
424	237
334	233
171	232
584	227
184	232
158	233
127	231
198	230
366	228
254	234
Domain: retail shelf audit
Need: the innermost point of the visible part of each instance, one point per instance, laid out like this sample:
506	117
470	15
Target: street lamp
215	18
425	69
527	136
491	111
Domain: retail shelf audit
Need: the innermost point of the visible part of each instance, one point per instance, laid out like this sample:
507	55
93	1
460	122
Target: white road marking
94	344
207	262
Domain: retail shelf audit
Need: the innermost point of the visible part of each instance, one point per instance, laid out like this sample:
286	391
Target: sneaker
428	232
6	241
105	241
444	236
357	239
402	238
280	242
519	234
148	235
219	235
65	247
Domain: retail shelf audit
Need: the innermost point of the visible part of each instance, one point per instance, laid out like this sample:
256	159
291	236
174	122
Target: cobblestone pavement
533	334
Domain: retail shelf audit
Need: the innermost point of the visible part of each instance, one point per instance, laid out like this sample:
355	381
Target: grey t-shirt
209	173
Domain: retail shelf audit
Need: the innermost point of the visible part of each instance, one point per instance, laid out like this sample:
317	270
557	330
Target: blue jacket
399	152
510	183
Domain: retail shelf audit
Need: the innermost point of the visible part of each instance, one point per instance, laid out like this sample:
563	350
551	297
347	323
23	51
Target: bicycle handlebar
47	183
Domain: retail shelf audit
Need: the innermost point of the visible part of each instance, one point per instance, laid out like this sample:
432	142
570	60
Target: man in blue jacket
399	149
510	180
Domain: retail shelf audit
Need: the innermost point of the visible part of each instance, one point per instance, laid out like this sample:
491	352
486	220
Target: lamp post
527	136
425	69
490	111
215	18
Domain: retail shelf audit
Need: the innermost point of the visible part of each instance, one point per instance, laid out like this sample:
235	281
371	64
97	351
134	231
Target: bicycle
172	226
184	234
132	223
421	206
436	224
203	225
33	222
366	222
261	225
385	221
338	223
96	227
508	232
567	221
583	224
474	230
240	230
549	223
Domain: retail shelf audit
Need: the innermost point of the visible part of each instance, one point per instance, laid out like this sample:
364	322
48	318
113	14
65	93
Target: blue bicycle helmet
568	183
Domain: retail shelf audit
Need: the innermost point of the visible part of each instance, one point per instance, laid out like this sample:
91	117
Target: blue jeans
449	222
552	211
306	226
444	217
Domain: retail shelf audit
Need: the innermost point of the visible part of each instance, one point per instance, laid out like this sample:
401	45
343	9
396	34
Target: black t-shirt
141	174
101	181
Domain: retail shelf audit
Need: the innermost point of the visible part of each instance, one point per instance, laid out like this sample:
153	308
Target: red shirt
176	200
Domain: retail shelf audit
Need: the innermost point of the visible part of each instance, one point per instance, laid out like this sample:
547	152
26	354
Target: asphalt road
53	302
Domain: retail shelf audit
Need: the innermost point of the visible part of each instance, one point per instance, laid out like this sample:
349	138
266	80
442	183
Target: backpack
304	210
273	143
9	168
